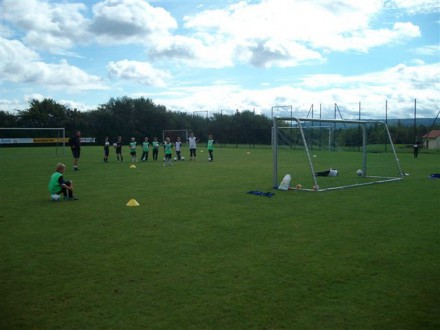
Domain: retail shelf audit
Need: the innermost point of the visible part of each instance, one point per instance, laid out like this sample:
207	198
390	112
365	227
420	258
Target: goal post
34	135
327	154
173	134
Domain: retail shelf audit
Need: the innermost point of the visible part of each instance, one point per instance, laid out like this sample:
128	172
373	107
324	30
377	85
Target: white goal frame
184	138
57	140
299	123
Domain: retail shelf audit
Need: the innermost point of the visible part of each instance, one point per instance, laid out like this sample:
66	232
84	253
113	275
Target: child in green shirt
57	185
145	147
133	145
211	148
168	151
155	148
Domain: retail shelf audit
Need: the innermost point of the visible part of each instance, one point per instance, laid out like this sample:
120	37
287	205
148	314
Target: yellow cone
132	202
133	166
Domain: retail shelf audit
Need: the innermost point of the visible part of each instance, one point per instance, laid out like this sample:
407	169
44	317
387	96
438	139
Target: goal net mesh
173	134
332	154
53	139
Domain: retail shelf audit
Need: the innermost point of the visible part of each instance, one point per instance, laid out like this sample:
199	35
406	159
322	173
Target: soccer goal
327	154
173	134
40	136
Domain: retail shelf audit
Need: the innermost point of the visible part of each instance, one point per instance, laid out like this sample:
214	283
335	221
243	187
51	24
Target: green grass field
201	253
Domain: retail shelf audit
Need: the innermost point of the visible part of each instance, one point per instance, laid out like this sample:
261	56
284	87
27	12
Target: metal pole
64	141
415	120
386	111
364	149
386	119
274	152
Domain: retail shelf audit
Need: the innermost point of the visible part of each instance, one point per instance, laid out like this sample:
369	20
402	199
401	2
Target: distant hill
410	122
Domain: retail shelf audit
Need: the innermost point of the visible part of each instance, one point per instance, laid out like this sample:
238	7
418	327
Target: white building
432	140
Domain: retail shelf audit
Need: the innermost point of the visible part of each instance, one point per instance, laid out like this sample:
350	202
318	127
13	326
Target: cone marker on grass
132	202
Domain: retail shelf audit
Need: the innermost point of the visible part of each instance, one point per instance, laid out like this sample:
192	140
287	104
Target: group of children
155	145
58	186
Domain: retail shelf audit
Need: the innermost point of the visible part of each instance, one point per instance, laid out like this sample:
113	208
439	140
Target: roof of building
435	133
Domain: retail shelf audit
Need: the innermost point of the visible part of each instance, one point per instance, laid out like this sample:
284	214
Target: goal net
26	136
173	134
326	154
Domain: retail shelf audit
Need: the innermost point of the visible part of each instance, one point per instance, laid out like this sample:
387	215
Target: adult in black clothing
416	149
75	146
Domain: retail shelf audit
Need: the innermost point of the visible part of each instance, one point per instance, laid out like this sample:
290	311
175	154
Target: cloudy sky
218	56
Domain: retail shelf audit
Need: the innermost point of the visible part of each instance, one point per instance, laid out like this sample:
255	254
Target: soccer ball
175	158
115	145
209	159
107	144
298	186
360	173
182	158
55	197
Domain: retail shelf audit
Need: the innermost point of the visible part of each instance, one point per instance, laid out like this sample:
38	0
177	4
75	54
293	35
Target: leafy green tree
7	119
45	113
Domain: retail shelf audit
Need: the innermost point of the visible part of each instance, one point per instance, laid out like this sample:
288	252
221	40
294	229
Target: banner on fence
43	140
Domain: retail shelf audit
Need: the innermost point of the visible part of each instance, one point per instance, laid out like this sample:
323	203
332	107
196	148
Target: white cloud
270	33
14	57
400	85
270	53
417	6
48	26
138	72
76	105
10	105
429	50
34	96
21	104
128	21
56	26
288	33
364	40
192	52
22	65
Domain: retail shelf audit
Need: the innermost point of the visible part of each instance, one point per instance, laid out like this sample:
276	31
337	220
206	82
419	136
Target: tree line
140	117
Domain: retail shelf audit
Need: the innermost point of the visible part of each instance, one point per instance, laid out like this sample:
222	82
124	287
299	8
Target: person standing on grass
155	148
75	146
192	142
106	149
118	147
211	148
57	185
133	145
168	146
178	145
416	149
145	147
